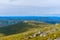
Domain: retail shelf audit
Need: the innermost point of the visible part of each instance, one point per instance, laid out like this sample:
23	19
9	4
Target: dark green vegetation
16	28
19	27
25	30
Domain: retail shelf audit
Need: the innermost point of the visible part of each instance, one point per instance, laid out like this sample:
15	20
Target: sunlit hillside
30	30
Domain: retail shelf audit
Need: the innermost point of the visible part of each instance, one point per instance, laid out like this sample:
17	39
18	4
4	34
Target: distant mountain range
4	21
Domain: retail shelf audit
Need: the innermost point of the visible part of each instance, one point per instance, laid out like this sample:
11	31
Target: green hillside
30	30
20	27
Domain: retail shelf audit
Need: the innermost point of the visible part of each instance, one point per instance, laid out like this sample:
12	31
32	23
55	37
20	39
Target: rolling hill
20	27
30	30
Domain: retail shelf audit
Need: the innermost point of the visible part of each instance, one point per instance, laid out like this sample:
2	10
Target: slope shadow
16	28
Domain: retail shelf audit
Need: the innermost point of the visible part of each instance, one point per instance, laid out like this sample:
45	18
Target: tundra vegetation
30	30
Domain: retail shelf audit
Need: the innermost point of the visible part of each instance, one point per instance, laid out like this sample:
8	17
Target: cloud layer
40	3
29	7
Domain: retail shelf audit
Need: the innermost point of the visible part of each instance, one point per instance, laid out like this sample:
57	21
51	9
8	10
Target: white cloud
30	7
42	3
55	12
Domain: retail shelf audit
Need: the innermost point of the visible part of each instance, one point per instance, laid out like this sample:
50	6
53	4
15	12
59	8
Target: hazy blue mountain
4	21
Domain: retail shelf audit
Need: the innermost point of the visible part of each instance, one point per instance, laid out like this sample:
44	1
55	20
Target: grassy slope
20	27
16	28
23	30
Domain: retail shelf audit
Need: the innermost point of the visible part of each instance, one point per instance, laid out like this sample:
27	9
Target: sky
29	7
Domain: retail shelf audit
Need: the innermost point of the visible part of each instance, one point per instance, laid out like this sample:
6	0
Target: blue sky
29	7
